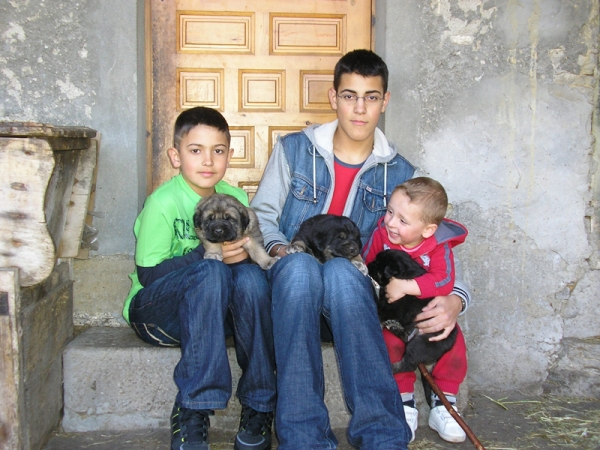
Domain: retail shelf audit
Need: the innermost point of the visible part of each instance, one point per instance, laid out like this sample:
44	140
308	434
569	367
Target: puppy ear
197	219
244	217
388	274
374	272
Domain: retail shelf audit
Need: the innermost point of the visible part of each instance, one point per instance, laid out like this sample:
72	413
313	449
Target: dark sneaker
255	430
189	428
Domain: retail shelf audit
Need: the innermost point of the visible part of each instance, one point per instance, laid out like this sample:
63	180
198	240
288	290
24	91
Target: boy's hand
440	314
396	289
279	250
234	252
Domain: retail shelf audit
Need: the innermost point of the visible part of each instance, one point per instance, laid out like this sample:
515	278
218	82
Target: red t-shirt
344	176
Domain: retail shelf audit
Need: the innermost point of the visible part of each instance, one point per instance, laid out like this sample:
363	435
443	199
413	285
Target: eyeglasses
351	98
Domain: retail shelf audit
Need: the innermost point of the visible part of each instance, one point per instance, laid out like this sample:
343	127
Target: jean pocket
154	335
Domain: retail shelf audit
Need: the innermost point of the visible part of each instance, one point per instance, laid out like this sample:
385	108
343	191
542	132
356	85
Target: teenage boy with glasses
346	167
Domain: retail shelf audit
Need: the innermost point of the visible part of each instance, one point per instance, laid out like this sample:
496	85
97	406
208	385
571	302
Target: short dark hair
429	194
363	62
200	115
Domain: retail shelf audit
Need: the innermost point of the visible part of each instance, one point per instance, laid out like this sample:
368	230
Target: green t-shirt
165	227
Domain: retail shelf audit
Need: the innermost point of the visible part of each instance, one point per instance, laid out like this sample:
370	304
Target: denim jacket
299	178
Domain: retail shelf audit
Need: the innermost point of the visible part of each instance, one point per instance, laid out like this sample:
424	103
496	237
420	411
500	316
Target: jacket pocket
304	203
372	208
373	199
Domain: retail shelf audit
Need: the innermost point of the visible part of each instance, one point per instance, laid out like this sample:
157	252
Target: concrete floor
527	423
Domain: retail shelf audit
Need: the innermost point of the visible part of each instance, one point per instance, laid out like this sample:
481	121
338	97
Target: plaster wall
494	98
76	63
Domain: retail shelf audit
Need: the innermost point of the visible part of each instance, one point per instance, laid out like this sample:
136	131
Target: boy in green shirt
178	298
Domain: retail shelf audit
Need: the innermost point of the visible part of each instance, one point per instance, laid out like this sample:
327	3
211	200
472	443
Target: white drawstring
314	155
385	185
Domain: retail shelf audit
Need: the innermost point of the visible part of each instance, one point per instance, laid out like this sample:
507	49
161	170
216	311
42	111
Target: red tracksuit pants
448	373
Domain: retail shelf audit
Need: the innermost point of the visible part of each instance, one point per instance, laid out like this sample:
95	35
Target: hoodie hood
321	138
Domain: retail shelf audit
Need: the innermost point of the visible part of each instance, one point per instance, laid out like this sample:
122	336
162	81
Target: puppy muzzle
220	231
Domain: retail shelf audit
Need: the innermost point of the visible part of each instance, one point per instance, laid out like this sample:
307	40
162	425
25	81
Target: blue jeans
189	308
302	291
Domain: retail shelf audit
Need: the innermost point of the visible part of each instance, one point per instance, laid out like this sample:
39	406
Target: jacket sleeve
270	198
439	279
147	275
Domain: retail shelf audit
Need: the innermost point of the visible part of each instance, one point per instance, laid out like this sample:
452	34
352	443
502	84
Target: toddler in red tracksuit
414	222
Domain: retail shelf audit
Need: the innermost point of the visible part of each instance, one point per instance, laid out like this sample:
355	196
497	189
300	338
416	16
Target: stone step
114	381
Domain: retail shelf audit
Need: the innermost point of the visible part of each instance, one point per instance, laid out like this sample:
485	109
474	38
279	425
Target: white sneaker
412	418
447	427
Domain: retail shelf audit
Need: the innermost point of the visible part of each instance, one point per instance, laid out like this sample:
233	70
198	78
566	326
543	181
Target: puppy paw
362	267
272	262
395	328
213	256
294	248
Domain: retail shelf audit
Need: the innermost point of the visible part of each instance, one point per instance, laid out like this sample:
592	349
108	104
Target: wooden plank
84	253
149	90
26	166
11	388
70	242
47	326
34	129
58	193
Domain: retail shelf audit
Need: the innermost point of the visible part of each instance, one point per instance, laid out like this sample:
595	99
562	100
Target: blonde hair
429	194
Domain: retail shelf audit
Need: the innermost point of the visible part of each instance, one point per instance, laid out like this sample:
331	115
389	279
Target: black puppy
327	236
399	317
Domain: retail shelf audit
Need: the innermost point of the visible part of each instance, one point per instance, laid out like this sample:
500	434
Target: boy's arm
439	279
270	198
147	275
442	312
154	233
396	289
460	287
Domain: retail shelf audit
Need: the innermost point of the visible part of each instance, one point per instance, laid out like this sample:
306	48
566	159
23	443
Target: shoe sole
448	438
236	447
241	446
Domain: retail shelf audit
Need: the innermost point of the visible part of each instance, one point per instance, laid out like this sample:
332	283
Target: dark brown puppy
222	218
399	317
327	236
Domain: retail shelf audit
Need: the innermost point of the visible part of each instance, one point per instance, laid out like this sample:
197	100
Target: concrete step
114	381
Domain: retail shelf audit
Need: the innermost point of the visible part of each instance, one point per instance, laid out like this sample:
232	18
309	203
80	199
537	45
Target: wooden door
266	65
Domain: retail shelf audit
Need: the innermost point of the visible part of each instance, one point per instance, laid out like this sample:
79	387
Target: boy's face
358	119
202	158
403	222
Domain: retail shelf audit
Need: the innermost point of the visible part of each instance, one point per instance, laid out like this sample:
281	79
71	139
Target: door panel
265	64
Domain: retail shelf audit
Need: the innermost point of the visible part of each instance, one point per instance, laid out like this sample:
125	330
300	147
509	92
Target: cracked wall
501	99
